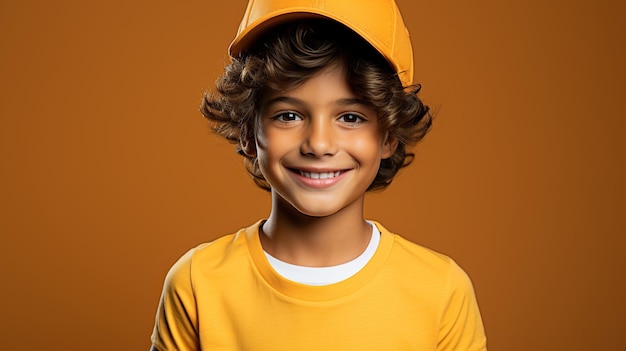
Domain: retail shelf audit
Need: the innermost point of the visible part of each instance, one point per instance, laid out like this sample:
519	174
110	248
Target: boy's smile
319	146
318	178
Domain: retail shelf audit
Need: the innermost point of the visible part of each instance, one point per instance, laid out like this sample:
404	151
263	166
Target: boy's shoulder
227	255
414	251
235	244
210	261
221	250
421	262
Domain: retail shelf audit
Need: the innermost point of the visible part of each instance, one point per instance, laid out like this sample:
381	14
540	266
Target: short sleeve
176	322
461	323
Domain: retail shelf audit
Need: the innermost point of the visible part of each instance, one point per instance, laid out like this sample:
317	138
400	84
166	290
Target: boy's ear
389	146
248	147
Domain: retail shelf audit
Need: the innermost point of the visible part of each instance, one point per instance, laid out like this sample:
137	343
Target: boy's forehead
338	69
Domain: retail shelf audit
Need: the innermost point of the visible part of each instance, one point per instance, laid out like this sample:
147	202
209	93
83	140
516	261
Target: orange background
108	173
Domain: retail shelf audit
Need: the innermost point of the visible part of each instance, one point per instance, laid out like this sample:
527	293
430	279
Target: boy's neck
296	238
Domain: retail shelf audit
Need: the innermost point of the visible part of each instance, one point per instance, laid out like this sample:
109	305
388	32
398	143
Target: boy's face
318	146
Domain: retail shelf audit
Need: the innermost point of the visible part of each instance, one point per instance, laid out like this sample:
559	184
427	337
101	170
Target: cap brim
252	31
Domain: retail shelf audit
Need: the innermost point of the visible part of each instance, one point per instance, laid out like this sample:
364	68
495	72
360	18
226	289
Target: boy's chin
318	208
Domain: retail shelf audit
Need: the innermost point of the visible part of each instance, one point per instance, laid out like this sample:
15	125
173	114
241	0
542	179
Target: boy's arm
175	325
461	323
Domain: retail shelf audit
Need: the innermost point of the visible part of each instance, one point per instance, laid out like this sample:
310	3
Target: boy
319	100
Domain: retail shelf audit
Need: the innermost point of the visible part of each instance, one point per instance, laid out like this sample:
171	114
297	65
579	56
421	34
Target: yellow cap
377	21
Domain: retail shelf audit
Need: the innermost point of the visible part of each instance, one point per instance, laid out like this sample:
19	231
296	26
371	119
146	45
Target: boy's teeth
322	175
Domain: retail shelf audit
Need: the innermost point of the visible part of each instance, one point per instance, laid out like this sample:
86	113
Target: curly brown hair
284	58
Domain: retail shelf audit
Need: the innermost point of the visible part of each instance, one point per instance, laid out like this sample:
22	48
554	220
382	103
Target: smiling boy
319	99
319	146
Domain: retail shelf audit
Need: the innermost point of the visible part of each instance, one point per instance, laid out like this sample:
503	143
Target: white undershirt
318	276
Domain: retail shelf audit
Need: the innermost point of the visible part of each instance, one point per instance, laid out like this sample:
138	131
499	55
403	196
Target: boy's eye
287	117
351	118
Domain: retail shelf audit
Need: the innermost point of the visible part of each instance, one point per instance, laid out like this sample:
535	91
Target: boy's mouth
318	175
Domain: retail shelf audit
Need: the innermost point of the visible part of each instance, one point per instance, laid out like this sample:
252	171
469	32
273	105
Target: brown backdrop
108	172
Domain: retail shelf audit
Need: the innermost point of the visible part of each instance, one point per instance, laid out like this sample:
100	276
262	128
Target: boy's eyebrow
296	101
352	101
285	99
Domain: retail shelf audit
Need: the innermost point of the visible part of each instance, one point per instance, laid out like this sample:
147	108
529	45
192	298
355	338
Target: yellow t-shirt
224	295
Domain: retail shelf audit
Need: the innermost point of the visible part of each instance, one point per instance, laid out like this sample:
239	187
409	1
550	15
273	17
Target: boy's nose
320	139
